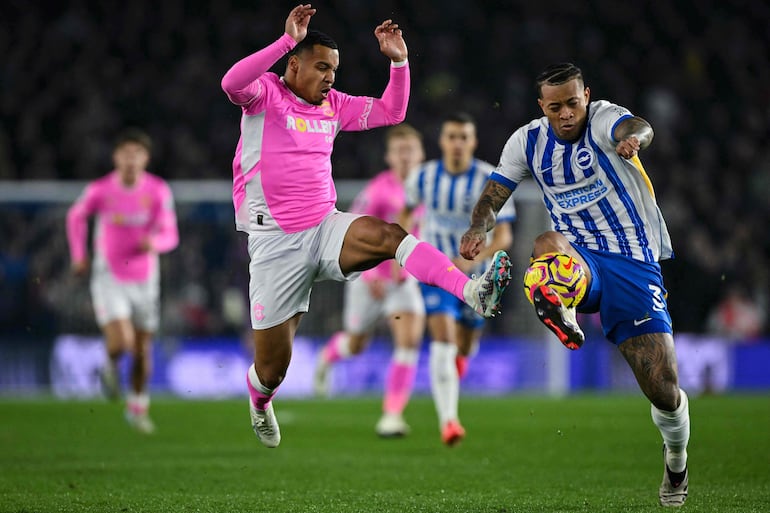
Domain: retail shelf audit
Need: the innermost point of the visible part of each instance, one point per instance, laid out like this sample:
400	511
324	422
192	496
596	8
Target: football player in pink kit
284	196
135	221
385	290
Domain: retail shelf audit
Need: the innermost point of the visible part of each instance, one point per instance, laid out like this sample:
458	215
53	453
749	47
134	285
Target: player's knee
271	377
357	344
550	241
666	398
393	234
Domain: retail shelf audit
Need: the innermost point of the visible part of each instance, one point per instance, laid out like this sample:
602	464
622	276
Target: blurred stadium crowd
75	72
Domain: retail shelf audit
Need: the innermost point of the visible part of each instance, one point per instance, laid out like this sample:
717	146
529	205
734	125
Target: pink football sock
259	393
432	267
398	387
337	348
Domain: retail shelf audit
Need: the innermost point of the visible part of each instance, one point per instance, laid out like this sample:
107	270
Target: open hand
298	20
392	43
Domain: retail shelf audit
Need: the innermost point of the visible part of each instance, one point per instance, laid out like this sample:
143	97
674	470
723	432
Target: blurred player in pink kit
135	221
284	196
385	290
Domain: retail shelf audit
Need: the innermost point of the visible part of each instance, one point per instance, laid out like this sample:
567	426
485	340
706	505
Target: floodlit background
74	73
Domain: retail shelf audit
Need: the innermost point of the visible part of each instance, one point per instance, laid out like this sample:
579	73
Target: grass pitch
522	454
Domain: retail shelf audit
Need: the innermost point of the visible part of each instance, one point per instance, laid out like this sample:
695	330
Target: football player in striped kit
584	157
447	189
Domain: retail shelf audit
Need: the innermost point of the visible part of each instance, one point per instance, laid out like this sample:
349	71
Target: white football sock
674	427
445	384
138	404
343	346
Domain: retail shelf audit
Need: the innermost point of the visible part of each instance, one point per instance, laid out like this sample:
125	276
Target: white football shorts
113	299
284	266
362	311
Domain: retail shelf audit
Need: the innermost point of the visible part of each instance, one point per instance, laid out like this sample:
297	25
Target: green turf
522	454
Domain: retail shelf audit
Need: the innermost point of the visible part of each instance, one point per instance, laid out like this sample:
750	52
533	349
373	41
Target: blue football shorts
439	301
628	294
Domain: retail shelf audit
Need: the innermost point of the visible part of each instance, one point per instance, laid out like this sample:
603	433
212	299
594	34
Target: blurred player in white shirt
384	291
447	189
135	221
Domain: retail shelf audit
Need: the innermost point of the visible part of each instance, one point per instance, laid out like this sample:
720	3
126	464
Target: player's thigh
404	297
369	241
119	336
468	338
281	274
145	304
405	309
407	329
442	310
328	242
361	311
111	302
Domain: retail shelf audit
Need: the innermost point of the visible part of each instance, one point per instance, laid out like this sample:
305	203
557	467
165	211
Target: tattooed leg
653	361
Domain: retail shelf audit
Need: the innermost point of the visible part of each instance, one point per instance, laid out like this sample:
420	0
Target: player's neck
456	166
401	174
130	181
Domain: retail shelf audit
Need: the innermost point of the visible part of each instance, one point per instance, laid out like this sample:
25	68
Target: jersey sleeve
364	112
77	221
605	118
165	234
412	189
365	202
242	82
513	166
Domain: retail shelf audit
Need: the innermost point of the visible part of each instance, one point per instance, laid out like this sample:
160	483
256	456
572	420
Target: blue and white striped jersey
596	199
449	200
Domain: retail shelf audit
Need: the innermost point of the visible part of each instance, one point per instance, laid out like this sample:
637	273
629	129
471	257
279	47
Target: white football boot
391	425
484	293
265	425
673	489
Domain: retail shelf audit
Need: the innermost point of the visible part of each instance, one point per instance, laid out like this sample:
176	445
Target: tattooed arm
483	218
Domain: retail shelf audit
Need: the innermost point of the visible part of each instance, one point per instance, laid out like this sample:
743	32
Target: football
562	273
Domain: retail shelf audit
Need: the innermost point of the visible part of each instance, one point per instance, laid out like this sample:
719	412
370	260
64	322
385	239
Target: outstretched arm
633	134
483	218
240	81
391	41
77	228
364	112
164	235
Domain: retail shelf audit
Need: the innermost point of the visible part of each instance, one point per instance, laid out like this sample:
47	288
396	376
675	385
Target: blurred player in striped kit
447	189
607	226
135	221
385	290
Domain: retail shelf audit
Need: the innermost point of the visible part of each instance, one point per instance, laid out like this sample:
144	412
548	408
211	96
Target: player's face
404	154
314	73
130	160
457	142
565	106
